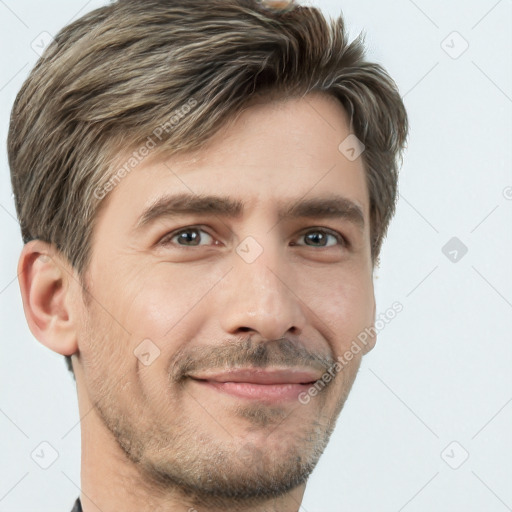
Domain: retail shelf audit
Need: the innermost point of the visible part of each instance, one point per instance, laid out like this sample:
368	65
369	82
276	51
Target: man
203	190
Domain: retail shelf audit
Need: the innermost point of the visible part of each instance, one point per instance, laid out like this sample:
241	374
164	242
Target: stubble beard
188	460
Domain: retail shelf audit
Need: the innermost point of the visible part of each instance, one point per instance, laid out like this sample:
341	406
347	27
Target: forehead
271	154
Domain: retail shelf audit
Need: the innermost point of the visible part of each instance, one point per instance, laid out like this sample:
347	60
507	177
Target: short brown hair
118	73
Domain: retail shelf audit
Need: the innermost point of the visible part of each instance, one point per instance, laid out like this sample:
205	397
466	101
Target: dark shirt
77	506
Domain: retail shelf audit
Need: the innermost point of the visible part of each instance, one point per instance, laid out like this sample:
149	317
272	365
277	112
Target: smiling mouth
264	384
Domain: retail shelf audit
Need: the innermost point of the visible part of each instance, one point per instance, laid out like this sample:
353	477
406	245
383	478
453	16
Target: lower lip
252	391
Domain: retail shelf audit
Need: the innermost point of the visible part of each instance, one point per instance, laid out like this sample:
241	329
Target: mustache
282	352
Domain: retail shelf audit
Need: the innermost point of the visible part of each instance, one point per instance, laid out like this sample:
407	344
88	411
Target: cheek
105	363
167	304
343	309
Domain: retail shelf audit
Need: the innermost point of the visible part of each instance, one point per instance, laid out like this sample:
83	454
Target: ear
47	283
371	340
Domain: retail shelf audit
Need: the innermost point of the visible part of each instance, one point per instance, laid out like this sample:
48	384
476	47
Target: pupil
189	236
316	237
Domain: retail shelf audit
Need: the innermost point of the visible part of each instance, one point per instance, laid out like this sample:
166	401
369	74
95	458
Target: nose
258	297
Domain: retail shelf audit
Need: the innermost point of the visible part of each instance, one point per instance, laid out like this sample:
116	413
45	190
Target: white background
441	370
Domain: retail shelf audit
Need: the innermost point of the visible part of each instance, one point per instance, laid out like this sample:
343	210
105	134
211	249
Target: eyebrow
333	206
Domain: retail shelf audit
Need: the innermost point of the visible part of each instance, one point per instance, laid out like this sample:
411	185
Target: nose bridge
258	296
261	277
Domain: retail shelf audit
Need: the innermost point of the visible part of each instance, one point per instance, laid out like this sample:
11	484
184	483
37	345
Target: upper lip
260	375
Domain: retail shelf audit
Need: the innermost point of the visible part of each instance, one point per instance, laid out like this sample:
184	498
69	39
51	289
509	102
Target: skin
164	445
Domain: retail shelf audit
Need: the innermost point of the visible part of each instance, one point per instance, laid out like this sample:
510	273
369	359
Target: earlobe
46	290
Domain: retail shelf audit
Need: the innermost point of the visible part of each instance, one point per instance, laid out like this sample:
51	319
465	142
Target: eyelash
166	240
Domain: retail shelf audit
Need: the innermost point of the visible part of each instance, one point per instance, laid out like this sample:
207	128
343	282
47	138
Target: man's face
205	327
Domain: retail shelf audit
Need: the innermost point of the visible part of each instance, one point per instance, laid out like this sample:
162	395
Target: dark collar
77	507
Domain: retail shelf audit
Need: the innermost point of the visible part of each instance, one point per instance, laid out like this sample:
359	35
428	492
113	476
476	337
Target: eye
187	237
192	236
321	238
